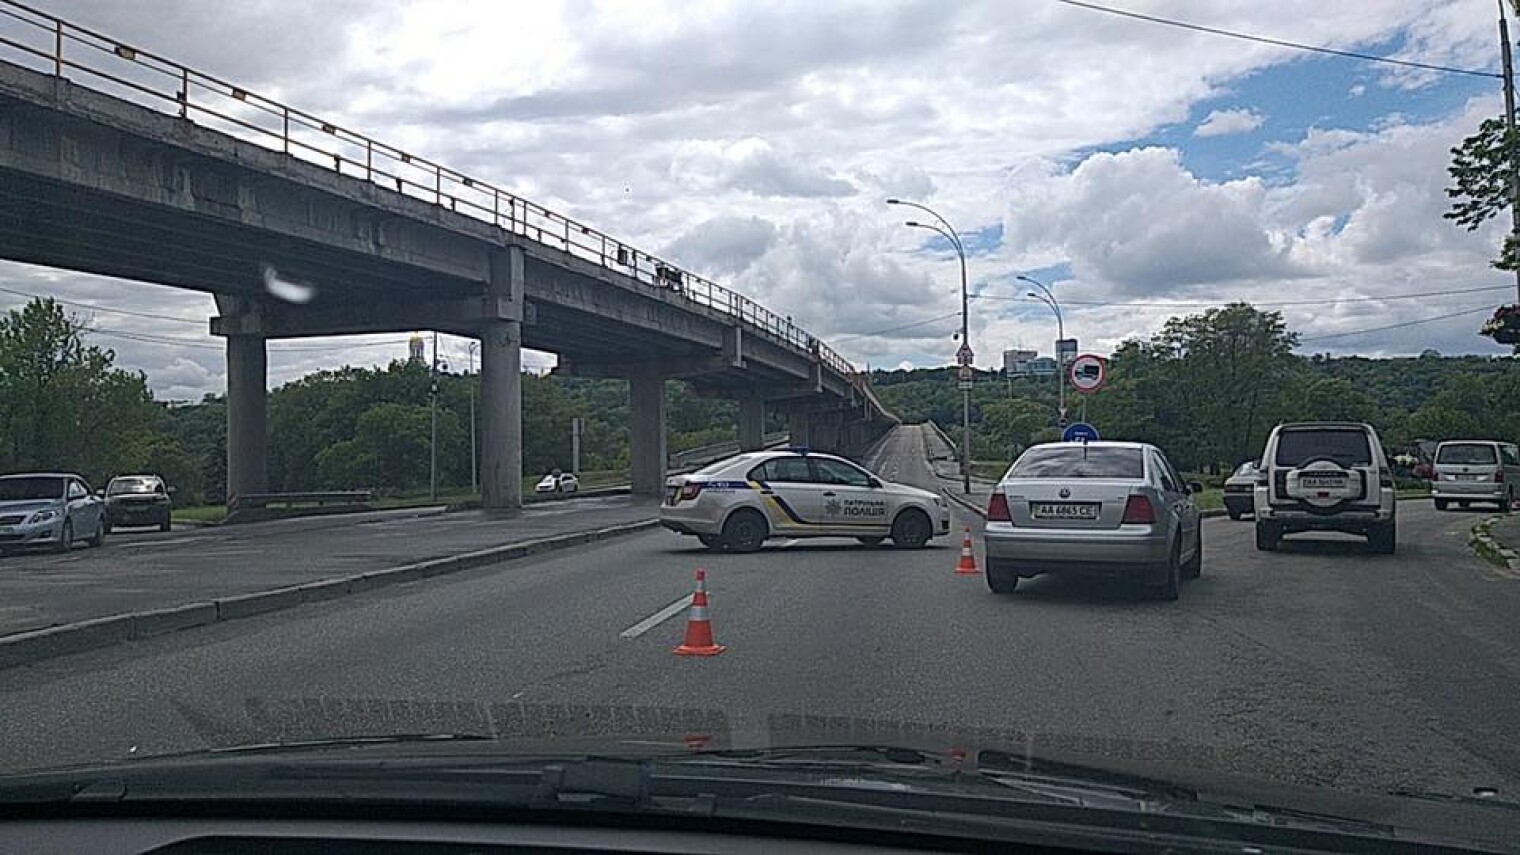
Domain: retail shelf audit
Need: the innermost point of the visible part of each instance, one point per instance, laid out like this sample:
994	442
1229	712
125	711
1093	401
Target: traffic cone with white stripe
699	634
967	565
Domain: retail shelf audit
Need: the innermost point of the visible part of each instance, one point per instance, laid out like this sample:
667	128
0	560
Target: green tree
62	403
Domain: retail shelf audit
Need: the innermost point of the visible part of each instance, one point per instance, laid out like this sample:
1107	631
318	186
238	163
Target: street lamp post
1049	299
433	444
949	233
474	469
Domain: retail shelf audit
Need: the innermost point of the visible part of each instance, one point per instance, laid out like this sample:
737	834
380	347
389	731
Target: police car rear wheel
911	529
745	531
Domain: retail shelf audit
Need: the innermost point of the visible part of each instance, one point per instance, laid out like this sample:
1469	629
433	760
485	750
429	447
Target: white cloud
757	143
1221	122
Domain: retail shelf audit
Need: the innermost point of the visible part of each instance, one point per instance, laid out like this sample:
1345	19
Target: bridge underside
98	185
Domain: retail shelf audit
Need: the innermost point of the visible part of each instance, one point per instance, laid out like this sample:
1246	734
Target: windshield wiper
340	742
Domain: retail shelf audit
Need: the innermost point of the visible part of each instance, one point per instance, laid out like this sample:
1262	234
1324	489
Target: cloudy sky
1140	170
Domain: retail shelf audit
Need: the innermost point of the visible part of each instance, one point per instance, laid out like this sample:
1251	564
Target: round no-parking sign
1088	372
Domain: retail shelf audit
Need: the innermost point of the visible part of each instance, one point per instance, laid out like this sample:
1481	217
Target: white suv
1325	476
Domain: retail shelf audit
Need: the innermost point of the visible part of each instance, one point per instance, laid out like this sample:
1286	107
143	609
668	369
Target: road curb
28	647
1490	548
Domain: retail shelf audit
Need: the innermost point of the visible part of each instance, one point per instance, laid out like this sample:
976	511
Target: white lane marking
657	618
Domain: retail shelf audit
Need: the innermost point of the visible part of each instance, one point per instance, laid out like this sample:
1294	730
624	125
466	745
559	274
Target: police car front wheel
745	531
911	529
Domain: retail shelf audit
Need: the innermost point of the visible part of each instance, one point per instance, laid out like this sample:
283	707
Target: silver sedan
1113	508
49	509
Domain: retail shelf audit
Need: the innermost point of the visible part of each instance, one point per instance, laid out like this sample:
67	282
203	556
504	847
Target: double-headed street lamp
1049	299
948	233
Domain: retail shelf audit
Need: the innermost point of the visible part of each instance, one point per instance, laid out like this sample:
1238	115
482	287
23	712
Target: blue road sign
1080	432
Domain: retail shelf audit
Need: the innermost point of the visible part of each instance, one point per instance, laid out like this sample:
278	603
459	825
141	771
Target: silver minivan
1475	470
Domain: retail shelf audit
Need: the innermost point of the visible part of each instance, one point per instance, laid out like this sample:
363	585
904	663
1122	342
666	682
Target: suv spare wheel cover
1324	483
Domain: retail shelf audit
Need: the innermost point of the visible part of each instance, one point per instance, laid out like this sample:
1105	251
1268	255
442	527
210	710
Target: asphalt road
146	569
1320	664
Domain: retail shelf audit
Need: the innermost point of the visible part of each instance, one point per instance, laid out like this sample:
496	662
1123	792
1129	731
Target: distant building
416	348
1016	362
1044	366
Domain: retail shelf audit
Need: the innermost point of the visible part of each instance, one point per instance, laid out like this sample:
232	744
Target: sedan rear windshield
1345	447
1477	453
1080	462
21	489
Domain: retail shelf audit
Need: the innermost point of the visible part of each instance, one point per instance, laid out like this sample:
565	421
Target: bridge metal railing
58	47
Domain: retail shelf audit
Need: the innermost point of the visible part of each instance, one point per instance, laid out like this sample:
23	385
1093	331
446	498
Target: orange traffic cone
967	565
699	634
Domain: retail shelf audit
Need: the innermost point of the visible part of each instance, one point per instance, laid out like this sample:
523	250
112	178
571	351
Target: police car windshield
1467	453
1080	461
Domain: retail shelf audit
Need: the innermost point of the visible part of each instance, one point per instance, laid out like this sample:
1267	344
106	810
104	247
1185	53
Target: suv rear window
1347	447
1080	462
1476	453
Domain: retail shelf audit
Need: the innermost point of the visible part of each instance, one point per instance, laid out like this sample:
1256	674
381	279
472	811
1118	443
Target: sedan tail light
1435	474
997	509
1139	510
1499	476
690	489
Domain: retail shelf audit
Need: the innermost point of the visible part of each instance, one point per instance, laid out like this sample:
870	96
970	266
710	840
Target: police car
738	503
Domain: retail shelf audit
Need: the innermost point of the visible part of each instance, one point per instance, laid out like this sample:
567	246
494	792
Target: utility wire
1139	304
94	308
1348	54
1472	311
898	328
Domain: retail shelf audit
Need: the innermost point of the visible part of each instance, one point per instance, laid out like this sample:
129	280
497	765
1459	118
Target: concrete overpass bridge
118	162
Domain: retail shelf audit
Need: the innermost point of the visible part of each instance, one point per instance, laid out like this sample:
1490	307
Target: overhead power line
1348	54
1330	301
95	308
898	328
1416	322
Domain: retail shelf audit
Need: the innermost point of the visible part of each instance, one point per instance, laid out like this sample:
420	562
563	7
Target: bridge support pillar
800	426
247	406
751	423
646	430
501	389
824	433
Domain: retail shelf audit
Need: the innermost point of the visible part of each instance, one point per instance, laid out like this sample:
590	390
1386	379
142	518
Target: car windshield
1345	447
130	485
938	337
24	488
1476	453
1080	461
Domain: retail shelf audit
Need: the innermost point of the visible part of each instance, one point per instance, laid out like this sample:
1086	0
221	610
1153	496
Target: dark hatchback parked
138	500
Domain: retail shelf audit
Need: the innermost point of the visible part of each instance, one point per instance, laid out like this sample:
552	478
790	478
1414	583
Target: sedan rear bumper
1075	550
1466	490
681	522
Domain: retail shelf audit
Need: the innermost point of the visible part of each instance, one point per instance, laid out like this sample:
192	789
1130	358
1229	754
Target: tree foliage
1209	387
1481	170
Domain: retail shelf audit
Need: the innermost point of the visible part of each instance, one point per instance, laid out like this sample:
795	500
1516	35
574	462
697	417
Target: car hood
966	789
27	506
907	491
